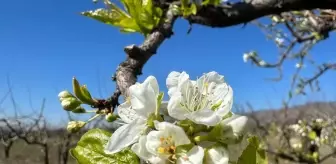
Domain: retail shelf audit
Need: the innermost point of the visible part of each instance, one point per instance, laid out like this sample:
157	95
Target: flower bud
79	109
75	126
70	103
81	92
64	94
111	117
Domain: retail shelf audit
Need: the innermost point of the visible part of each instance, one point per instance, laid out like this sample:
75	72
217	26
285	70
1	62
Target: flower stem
158	105
94	117
91	111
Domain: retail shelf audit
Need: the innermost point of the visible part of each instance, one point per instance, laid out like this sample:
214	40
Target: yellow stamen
161	150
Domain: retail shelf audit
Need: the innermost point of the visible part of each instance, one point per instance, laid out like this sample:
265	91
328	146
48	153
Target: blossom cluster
195	126
316	132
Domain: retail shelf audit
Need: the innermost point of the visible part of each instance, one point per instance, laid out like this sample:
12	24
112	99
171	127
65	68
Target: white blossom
204	101
159	146
319	120
296	143
279	41
134	112
295	127
298	65
246	57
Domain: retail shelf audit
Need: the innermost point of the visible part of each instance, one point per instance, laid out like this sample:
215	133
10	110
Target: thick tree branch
137	56
243	12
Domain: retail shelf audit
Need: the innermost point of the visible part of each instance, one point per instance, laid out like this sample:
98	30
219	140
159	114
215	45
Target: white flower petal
222	92
141	151
174	108
125	136
171	91
204	101
152	82
234	126
153	141
217	155
236	122
193	156
166	135
173	81
144	96
126	113
205	117
177	132
210	77
157	160
214	77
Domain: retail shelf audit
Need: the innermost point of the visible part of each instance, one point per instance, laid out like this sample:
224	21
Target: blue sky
44	43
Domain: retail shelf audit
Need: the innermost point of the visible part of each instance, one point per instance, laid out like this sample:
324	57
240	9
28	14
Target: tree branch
243	12
137	56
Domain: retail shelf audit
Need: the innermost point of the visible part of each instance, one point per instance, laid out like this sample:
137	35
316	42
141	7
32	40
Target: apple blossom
135	113
204	101
159	146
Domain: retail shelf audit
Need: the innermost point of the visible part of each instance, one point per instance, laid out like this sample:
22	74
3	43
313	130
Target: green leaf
193	8
90	150
140	16
184	4
115	18
188	8
252	153
144	14
113	6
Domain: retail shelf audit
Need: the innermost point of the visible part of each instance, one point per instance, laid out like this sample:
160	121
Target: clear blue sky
44	43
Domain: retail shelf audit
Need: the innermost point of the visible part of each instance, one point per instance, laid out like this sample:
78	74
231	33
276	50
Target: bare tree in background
275	128
7	140
32	129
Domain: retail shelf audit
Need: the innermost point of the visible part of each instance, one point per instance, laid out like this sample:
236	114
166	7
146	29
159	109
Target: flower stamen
167	145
